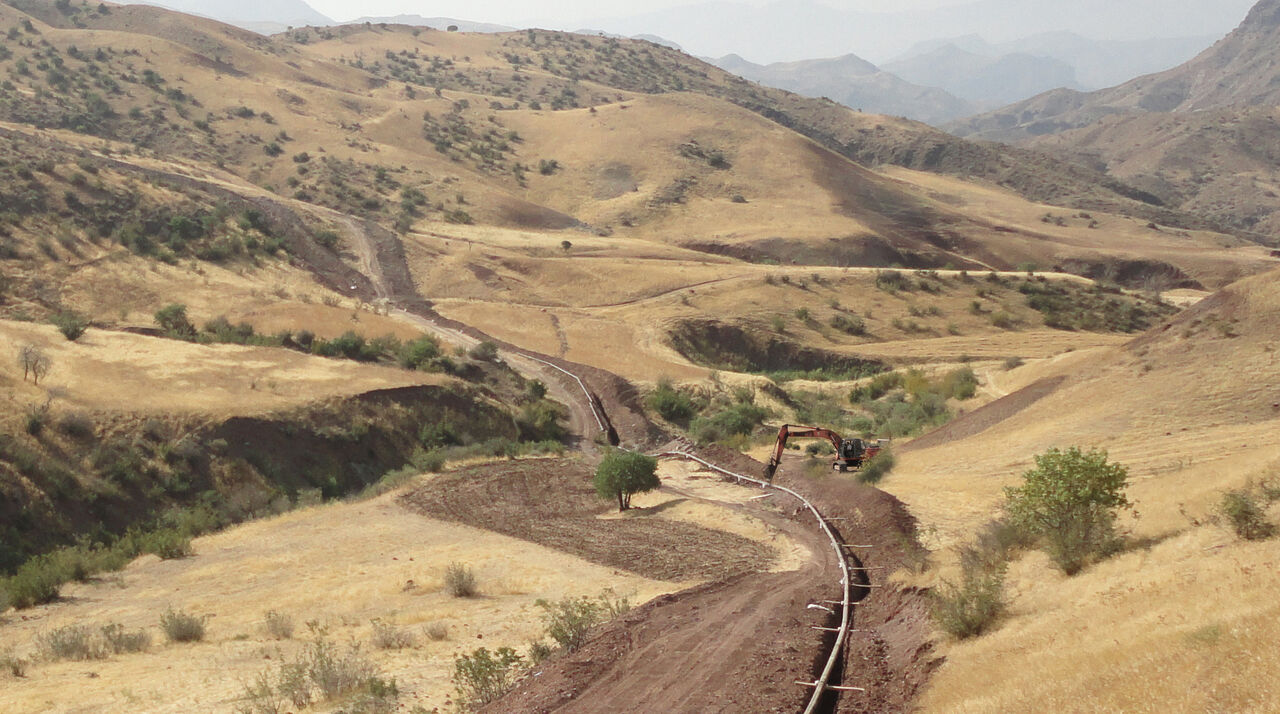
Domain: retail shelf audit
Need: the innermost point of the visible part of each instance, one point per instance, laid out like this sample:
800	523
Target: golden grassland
115	371
342	566
1184	621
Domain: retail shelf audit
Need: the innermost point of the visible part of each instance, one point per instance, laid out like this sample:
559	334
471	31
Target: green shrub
1013	363
539	651
1245	515
70	324
179	626
960	383
877	467
168	543
737	419
430	461
849	324
36	582
970	607
460	581
482	676
1069	503
540	421
172	319
670	403
621	474
570	619
419	353
485	352
892	281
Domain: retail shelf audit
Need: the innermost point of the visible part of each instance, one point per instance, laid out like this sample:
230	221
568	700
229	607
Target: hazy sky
520	12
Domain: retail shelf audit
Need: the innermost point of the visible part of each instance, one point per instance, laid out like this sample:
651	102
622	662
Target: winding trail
734	646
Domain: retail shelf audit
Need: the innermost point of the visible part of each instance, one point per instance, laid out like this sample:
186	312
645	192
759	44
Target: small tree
35	363
566	246
1069	502
624	473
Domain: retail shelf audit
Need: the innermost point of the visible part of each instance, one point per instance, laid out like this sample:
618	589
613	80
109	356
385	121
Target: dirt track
732	646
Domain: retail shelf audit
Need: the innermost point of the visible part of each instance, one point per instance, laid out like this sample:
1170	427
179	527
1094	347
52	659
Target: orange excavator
850	453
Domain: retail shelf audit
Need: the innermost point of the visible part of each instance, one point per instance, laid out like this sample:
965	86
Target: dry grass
1186	620
106	369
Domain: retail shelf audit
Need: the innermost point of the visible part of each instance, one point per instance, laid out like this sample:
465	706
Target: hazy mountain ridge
1242	69
986	81
853	82
1097	63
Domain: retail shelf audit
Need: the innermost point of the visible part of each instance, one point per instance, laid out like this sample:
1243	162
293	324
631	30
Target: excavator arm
800	432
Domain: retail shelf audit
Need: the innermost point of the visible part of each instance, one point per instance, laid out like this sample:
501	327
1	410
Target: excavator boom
850	453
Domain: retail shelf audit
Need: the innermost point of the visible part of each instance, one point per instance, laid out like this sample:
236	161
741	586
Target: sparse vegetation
322	674
970	607
387	636
35	363
483	676
179	626
1244	511
460	581
118	640
12	664
277	625
568	620
436	631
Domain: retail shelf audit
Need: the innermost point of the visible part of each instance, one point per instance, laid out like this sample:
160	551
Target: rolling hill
1189	408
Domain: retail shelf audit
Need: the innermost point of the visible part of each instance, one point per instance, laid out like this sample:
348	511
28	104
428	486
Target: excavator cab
851	452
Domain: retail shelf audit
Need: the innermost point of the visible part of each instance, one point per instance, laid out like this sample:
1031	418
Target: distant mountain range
1097	63
985	81
854	82
784	30
265	16
1202	137
1243	69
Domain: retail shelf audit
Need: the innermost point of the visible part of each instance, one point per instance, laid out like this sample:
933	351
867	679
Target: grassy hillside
1189	409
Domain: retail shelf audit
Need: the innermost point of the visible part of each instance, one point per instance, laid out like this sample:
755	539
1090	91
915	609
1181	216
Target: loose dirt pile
552	502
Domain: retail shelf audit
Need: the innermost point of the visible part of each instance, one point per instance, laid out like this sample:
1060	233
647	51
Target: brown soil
895	658
552	502
739	645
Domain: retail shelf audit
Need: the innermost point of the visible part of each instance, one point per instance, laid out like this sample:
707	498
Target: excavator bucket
769	470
